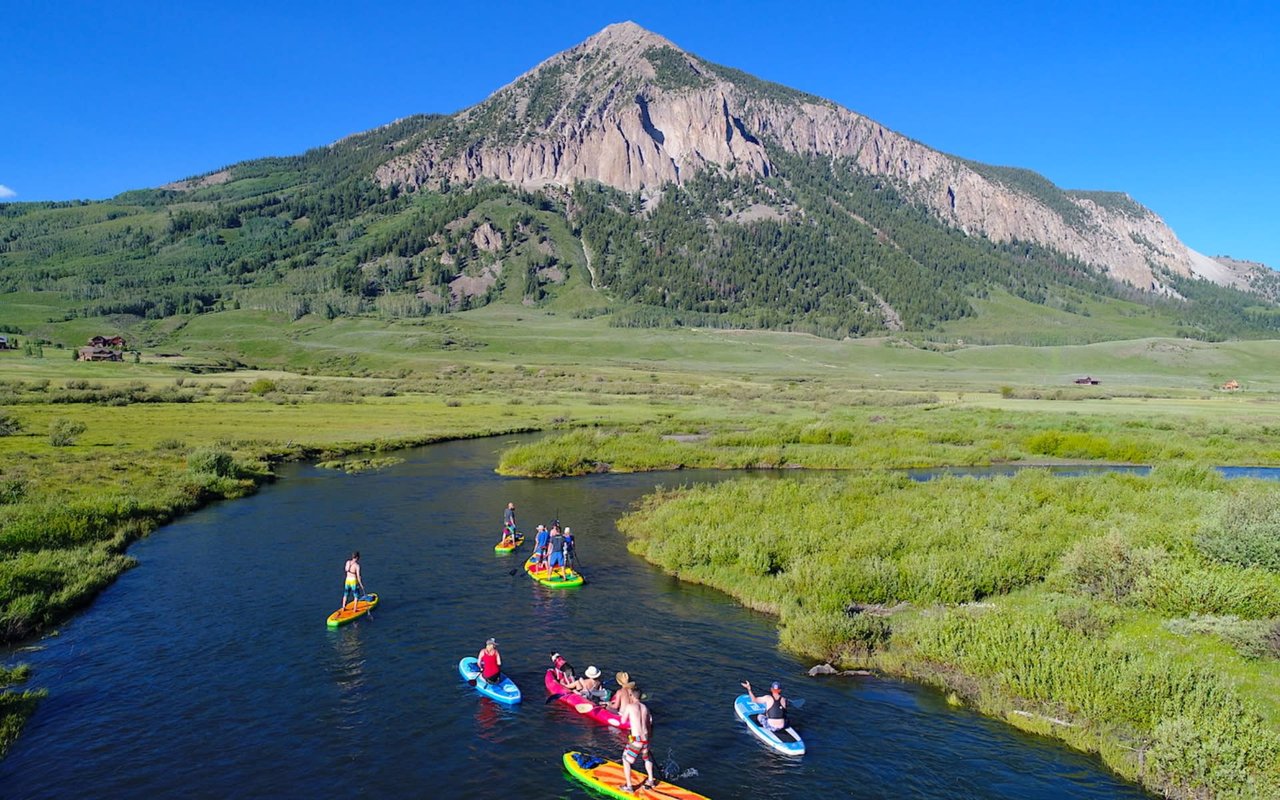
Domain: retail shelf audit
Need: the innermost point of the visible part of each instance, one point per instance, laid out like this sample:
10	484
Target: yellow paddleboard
354	611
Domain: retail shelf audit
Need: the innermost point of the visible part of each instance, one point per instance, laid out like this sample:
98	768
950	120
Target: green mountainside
818	245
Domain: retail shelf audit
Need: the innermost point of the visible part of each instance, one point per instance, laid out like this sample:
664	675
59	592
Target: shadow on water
208	670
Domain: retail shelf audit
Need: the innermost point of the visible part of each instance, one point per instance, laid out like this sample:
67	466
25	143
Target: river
208	671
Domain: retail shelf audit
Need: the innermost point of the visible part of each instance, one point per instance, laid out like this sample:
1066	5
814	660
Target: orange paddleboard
354	611
605	776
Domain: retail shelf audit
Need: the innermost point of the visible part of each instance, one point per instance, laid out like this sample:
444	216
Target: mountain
631	110
627	177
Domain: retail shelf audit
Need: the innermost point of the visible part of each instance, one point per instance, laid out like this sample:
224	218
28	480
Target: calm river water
208	671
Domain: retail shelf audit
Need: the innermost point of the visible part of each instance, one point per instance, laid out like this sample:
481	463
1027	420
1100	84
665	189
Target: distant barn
1232	385
1088	381
116	342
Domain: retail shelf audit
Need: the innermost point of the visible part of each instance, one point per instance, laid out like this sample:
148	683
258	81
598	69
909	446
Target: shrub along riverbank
903	430
1131	616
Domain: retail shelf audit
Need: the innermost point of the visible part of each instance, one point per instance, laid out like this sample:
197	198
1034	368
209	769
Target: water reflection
348	674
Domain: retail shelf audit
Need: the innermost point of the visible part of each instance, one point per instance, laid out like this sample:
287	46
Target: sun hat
592	672
491	641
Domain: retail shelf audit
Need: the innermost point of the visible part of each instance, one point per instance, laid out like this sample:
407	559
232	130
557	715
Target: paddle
652	791
581	708
356	607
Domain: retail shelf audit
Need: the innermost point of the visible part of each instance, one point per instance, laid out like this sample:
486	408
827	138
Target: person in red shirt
490	662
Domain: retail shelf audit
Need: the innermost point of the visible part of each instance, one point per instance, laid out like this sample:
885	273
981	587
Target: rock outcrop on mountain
630	109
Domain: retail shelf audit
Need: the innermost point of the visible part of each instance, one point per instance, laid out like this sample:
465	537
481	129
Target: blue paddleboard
784	741
504	691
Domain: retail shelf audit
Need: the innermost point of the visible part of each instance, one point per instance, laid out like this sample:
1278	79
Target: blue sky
1173	102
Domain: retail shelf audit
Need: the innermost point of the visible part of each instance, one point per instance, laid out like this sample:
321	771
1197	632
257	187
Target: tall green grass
1019	594
900	436
15	707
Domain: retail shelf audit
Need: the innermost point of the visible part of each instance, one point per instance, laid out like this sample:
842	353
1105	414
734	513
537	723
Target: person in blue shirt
540	546
570	551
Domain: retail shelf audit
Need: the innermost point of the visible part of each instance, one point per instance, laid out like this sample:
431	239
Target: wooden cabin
92	353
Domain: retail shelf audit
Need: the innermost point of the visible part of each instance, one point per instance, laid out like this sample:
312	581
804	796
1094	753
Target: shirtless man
636	714
353	585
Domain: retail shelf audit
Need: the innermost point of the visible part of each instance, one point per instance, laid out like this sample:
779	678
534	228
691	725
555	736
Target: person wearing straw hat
635	714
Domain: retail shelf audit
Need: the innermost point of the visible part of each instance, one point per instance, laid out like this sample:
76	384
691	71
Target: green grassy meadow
94	455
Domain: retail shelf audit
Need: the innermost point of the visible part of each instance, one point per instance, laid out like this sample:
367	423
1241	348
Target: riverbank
1069	607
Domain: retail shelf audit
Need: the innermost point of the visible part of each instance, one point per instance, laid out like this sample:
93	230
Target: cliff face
629	109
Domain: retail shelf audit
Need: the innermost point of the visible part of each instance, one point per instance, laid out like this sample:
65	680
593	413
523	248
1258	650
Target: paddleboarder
570	548
540	547
555	550
774	717
490	662
353	585
635	714
508	525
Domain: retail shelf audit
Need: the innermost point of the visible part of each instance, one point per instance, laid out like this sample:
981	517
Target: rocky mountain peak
625	38
630	109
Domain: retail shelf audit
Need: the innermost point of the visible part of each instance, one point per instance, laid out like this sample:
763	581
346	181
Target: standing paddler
509	525
353	584
634	714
